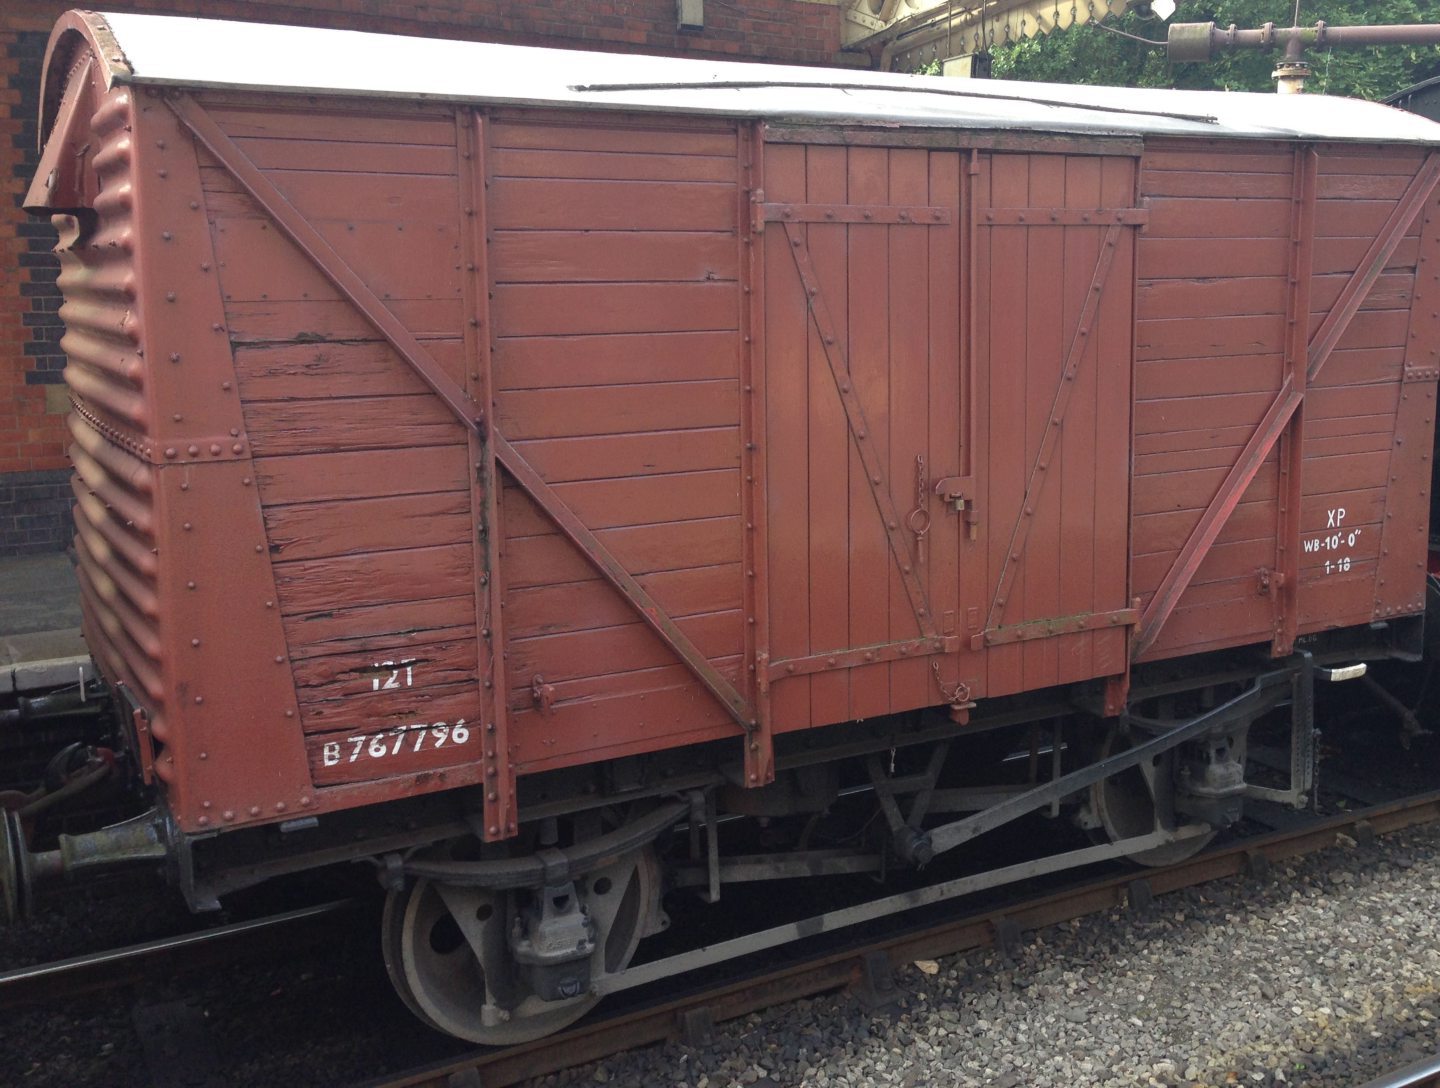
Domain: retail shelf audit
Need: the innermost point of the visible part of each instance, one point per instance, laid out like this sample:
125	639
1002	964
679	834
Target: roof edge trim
76	31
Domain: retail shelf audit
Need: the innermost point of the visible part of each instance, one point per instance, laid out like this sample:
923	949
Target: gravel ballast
1326	973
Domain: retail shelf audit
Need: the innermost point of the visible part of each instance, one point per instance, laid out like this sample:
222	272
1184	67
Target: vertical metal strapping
759	744
970	213
972	575
1286	594
1116	692
501	817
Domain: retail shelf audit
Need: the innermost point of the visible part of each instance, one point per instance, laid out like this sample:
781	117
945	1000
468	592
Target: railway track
650	1016
183	952
1423	1074
866	968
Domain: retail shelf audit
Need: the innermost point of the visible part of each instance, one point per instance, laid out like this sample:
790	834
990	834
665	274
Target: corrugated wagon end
84	185
169	533
275	515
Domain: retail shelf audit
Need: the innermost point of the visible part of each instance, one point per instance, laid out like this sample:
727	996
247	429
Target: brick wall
34	511
29	327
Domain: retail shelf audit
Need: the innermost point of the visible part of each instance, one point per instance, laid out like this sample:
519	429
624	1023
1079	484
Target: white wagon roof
178	51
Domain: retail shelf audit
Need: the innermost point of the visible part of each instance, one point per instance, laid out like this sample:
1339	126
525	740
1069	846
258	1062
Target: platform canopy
911	33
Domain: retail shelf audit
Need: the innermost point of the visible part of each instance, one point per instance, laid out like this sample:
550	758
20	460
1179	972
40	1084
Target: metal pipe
1190	42
1292	72
1205	41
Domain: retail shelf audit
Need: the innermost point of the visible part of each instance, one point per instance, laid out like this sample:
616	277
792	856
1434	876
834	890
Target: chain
957	694
918	520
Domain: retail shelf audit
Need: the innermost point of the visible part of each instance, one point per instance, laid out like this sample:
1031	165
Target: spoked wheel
447	952
1126	807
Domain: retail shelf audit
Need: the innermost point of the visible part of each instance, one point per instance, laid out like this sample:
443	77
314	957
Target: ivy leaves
1095	54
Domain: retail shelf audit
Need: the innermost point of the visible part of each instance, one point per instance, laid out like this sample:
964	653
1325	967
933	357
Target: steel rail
1423	1074
836	970
117	966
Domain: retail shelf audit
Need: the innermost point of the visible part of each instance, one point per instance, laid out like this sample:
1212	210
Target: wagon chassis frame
1289	680
210	867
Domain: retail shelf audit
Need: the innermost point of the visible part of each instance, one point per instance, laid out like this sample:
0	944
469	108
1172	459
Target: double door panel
882	408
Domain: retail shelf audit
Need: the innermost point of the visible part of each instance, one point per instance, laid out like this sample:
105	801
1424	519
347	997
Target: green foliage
1092	54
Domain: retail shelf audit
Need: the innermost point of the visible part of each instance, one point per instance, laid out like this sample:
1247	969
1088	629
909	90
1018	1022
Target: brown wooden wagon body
437	433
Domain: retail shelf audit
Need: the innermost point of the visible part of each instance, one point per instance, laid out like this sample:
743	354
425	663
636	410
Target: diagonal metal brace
1265	691
326	260
649	610
875	475
1177	578
1328	335
1322	344
1079	341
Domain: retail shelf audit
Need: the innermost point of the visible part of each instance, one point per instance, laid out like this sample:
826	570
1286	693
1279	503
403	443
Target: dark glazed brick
30	293
35	512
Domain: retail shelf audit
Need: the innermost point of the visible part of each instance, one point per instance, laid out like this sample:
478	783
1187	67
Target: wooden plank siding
1210	328
364	477
892	292
1210	336
611	258
604	290
1034	280
616	350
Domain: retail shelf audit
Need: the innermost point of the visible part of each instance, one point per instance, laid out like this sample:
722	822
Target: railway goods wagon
550	476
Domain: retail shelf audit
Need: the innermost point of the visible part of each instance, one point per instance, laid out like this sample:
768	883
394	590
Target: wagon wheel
447	952
1125	805
14	894
392	943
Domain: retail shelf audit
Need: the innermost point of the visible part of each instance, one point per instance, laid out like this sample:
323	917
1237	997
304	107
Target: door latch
959	492
541	693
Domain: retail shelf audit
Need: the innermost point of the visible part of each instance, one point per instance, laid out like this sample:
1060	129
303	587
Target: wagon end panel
175	579
85	185
616	329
